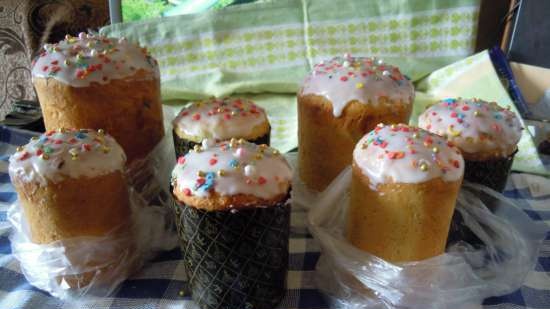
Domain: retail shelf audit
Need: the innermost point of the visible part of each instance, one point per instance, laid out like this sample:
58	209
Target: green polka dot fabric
264	50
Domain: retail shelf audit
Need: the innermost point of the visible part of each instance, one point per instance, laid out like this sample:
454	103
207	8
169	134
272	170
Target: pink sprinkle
39	152
213	161
453	114
181	160
344	78
87	147
55	62
261	180
227	116
58	141
45	68
24	156
197	116
465	108
187	192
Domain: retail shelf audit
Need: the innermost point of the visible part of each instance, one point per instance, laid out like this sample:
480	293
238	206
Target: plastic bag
95	266
489	253
91	266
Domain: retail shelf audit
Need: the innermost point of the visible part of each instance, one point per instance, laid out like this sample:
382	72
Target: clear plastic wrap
95	266
492	246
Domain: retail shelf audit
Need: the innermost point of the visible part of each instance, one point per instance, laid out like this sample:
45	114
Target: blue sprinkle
209	183
461	116
449	100
234	163
80	135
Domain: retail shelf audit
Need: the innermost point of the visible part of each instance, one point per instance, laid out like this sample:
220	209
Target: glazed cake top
404	154
230	168
79	61
367	80
219	119
67	153
474	125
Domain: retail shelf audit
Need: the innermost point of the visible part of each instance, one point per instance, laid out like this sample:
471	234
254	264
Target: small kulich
219	120
404	189
340	101
486	133
233	217
95	82
71	183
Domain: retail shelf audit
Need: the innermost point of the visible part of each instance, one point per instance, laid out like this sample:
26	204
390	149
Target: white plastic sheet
492	246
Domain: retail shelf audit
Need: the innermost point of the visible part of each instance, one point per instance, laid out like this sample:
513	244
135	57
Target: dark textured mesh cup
182	146
235	259
491	173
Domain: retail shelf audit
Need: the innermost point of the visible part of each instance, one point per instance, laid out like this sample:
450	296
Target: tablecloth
161	283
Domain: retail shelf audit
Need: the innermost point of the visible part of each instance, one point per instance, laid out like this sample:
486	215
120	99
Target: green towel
264	50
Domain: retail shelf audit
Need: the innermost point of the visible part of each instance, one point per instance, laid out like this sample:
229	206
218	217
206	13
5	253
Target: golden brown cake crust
401	221
326	142
129	109
217	202
75	207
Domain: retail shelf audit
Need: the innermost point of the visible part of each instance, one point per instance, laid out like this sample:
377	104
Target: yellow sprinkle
233	113
201	174
476	113
241	141
258	156
19	148
105	149
276	152
181	293
359	85
364	146
34	138
44	156
435	150
197	148
101	132
221	173
393	126
415	135
423	167
74	156
60	130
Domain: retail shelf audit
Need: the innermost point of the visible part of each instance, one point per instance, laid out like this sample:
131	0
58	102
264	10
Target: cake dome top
404	154
67	153
367	80
474	125
93	58
230	168
220	119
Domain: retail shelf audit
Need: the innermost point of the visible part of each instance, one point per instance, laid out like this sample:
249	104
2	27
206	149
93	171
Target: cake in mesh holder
92	81
219	119
233	217
339	102
404	188
486	133
71	184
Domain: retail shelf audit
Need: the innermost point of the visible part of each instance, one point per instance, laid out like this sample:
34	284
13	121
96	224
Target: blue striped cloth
161	283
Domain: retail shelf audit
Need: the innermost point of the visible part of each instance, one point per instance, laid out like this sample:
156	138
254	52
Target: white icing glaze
79	61
344	79
219	119
231	168
403	154
61	154
473	125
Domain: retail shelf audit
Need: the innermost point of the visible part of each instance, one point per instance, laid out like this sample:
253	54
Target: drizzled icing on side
79	61
344	79
473	125
403	154
230	168
70	153
219	118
